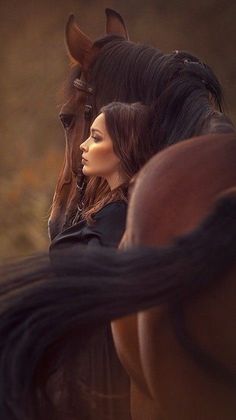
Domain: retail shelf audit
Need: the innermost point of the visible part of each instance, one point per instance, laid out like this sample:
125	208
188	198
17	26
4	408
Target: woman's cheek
101	160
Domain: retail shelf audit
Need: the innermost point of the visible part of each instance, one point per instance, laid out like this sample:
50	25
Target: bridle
83	86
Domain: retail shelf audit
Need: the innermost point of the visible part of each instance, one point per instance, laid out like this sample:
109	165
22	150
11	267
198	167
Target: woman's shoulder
107	228
112	208
110	221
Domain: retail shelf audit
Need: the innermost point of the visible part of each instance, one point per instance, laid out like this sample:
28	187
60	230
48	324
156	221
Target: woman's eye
67	120
96	139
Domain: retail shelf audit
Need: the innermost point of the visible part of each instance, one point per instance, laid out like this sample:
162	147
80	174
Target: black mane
125	71
183	92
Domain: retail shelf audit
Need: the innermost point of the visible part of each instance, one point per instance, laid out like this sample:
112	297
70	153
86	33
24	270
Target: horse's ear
115	24
78	44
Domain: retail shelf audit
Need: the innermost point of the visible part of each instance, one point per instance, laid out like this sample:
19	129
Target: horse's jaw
64	206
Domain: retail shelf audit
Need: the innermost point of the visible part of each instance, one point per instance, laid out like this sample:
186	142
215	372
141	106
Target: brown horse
179	349
175	191
184	91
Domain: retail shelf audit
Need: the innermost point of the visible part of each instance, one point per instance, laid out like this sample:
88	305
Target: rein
83	86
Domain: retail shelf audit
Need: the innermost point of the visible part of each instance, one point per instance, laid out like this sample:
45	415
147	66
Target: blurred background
34	66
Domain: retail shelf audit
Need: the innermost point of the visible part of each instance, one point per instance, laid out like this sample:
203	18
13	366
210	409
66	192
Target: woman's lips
84	161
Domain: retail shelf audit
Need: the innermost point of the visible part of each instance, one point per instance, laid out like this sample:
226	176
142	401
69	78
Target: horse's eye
67	120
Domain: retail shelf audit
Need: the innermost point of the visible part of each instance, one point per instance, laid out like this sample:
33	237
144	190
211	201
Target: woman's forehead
99	123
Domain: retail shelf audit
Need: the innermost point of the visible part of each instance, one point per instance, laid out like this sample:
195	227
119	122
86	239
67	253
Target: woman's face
98	157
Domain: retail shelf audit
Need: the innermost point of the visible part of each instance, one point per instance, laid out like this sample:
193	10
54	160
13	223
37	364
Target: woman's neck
115	180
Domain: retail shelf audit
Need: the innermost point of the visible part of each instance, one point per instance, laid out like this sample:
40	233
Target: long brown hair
128	126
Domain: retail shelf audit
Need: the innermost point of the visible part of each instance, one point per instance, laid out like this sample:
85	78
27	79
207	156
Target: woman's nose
84	146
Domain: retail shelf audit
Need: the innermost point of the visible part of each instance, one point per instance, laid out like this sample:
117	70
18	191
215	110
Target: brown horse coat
171	196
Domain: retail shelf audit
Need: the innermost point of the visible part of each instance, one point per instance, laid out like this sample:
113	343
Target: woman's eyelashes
96	139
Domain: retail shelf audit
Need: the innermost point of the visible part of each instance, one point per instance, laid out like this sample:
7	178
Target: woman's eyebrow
95	129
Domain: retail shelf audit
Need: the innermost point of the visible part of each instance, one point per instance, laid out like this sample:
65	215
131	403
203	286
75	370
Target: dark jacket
106	230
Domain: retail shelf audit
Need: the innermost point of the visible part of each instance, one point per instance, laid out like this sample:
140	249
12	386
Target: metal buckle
88	109
81	85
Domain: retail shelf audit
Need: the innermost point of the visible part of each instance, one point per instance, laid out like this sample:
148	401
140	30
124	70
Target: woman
111	155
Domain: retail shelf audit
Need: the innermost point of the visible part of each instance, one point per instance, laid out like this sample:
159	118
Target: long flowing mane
183	91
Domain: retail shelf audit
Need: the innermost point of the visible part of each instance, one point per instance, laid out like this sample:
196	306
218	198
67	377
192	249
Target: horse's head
183	91
77	114
178	187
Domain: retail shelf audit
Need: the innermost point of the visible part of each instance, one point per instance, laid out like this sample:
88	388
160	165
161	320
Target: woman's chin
89	172
85	171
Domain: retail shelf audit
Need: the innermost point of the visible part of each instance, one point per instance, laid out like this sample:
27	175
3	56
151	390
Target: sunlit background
33	67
